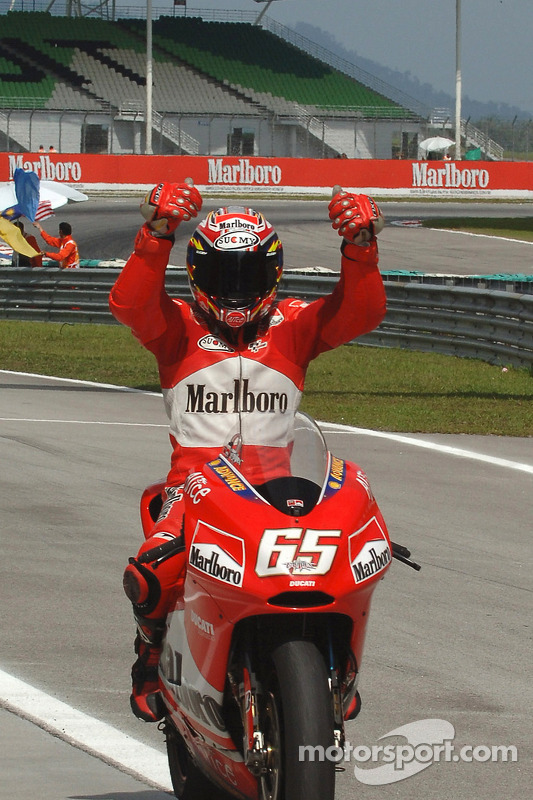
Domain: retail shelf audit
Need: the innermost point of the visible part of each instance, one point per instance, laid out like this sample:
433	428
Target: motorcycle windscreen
290	478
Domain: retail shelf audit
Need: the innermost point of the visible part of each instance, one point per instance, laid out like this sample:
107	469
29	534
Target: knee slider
141	586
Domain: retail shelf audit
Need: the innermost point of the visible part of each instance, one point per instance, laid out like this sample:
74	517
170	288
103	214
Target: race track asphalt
452	642
105	229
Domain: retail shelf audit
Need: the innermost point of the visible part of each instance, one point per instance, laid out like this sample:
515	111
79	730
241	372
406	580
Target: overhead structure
458	81
267	4
76	8
149	81
107	8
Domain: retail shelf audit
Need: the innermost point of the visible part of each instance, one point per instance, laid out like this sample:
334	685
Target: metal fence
492	325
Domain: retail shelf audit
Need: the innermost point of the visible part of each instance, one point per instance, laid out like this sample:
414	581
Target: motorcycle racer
233	354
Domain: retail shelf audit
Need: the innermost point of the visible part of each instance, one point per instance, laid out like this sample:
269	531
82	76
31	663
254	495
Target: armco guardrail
496	326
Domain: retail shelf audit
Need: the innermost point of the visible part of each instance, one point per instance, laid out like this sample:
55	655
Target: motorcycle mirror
404	555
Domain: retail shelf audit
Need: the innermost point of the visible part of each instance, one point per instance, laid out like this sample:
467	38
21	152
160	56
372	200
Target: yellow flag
13	236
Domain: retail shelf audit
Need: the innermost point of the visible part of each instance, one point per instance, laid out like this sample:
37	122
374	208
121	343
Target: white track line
76	381
427	445
72	726
332	427
327	426
101	740
482	236
85	422
86	733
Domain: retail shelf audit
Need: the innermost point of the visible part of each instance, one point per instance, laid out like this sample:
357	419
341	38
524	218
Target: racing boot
146	701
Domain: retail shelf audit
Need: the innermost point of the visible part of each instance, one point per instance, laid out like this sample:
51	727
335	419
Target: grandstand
219	87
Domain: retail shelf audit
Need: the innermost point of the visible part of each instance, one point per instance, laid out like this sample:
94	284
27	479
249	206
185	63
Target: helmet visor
237	279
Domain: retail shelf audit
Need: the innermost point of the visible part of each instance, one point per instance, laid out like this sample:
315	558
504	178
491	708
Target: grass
398	390
102	353
379	388
509	227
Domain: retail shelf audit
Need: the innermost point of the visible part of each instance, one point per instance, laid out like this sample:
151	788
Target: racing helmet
234	264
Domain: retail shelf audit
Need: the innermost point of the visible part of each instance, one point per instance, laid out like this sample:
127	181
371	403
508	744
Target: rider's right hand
168	204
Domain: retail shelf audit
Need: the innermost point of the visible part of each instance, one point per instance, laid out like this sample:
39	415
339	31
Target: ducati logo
202	624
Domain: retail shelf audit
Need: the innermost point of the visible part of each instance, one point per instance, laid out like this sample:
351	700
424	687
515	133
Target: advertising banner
464	179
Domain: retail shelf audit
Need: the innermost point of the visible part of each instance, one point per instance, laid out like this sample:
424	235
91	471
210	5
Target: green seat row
249	56
231	53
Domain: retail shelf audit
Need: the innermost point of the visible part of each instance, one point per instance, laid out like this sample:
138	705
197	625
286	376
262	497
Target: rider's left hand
356	217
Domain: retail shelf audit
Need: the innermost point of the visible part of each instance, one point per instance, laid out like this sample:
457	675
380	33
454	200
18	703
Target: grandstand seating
8	67
198	67
256	61
120	74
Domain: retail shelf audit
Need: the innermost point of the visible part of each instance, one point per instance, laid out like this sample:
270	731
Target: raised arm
138	298
357	305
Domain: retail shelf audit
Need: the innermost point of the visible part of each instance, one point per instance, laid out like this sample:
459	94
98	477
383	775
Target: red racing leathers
210	384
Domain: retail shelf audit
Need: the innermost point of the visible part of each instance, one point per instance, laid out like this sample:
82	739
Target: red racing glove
356	217
168	204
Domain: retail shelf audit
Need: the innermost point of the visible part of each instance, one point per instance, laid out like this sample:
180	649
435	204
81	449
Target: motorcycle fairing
233	479
335	477
313	493
259	576
201	701
217	553
370	552
200	718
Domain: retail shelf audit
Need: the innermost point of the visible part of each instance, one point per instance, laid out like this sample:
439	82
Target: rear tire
179	761
297	711
188	781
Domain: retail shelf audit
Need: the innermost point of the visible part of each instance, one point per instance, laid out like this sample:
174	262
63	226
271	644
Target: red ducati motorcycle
260	661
